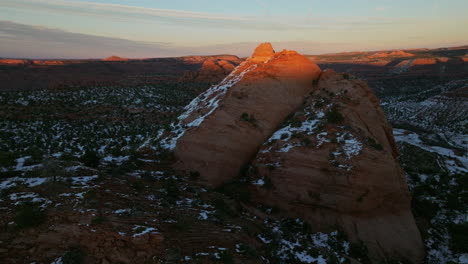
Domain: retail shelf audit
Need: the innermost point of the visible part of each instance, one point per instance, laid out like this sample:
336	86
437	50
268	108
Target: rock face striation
222	129
314	144
334	163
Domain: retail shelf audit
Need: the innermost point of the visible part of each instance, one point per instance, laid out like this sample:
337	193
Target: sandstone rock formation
318	144
115	58
263	52
212	71
14	62
222	129
334	163
399	53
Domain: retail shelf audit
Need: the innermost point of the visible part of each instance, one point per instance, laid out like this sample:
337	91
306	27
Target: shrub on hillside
7	159
334	116
29	215
91	159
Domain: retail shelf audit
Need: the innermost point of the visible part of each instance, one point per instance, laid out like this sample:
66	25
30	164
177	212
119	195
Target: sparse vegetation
29	215
90	158
373	144
248	118
73	256
333	116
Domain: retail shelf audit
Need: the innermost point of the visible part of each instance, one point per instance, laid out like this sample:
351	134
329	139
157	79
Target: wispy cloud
28	41
20	40
260	22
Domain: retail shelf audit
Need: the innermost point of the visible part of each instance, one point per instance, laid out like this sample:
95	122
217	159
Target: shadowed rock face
334	163
319	145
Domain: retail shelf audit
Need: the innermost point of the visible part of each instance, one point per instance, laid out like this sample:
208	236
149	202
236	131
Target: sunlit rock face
222	129
314	144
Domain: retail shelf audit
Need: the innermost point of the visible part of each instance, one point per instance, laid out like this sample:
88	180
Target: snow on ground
142	230
29	182
203	106
412	138
83	180
348	145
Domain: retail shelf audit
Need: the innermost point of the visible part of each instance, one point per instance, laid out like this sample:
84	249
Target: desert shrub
359	251
53	188
138	185
73	256
66	156
237	190
268	184
90	158
172	190
99	219
132	163
183	223
35	153
333	116
194	175
9	174
52	168
459	237
8	159
29	215
295	122
348	76
424	208
90	195
248	118
306	142
226	257
293	226
374	144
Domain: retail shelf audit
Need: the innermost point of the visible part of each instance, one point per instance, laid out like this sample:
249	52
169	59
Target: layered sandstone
222	129
318	143
334	164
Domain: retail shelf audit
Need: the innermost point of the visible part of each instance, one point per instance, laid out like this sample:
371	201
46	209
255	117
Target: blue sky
155	28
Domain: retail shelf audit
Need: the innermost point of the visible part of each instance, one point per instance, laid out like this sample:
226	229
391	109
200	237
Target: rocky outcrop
14	62
263	52
212	71
397	54
334	163
318	144
115	58
221	129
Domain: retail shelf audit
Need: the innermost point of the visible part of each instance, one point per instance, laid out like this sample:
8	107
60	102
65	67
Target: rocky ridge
332	162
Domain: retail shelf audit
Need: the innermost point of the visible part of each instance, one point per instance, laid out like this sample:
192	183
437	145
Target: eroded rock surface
319	145
222	129
334	163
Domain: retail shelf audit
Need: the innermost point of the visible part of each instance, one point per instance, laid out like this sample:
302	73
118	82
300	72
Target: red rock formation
399	53
13	62
263	52
222	129
115	58
49	62
212	72
335	165
424	62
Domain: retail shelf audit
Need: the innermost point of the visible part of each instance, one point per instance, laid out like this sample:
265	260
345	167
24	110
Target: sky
164	28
